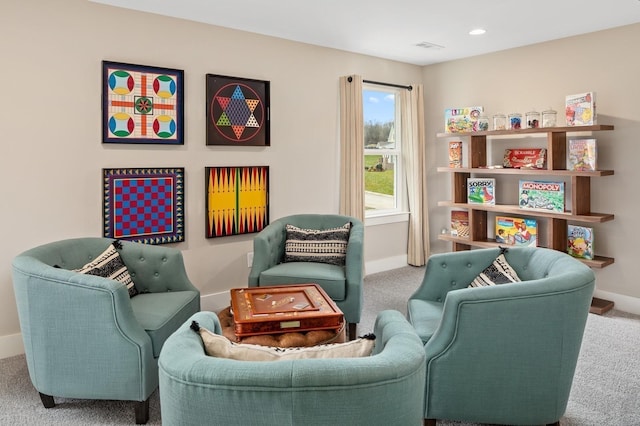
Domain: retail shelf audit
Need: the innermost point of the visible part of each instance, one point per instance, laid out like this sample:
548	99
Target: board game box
582	155
580	109
481	191
281	309
541	195
525	158
455	154
461	120
516	231
460	223
580	241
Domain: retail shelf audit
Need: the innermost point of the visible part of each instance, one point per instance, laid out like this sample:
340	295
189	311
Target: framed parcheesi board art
142	104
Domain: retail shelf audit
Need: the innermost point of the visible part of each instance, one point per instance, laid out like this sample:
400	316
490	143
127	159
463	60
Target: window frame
398	213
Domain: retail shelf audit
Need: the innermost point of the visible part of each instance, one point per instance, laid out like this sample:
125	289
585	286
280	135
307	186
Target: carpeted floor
606	388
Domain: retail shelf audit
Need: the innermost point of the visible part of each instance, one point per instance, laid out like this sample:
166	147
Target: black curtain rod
399	86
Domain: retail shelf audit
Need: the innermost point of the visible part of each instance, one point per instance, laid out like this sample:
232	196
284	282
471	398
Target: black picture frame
142	104
238	111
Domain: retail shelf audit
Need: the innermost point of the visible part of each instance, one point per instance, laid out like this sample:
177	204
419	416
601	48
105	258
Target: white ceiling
392	29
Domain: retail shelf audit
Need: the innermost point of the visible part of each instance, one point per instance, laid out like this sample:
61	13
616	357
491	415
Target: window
384	181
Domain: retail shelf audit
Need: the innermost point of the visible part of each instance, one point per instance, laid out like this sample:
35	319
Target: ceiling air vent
427	45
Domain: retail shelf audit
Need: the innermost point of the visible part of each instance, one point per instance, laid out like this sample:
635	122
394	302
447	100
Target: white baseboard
386	264
620	301
11	345
215	302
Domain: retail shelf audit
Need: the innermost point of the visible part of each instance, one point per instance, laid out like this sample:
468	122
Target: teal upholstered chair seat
84	337
503	354
330	277
343	284
160	314
386	388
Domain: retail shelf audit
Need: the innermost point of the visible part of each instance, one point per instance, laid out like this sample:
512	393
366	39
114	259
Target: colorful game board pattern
235	117
237	200
144	205
142	104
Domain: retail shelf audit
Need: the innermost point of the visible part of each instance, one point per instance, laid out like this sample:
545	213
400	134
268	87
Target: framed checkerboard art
142	104
145	205
237	111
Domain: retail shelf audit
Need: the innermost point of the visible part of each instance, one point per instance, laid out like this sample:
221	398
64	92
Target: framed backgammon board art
237	200
145	205
237	111
142	104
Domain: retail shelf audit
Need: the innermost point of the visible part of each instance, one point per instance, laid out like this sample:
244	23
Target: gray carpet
606	388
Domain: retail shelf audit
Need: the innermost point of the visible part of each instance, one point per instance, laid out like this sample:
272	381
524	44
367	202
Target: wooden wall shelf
556	235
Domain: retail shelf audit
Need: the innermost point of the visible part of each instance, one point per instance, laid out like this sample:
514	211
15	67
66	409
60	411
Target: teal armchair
83	336
386	388
502	354
343	284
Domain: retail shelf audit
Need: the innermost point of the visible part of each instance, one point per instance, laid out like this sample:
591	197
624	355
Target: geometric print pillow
499	272
109	264
317	245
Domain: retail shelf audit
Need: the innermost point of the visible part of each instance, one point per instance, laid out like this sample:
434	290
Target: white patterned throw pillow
317	245
109	264
499	272
221	347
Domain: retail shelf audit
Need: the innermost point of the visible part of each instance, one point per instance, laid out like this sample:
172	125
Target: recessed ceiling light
477	31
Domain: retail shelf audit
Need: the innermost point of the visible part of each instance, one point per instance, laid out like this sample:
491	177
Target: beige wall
539	77
51	128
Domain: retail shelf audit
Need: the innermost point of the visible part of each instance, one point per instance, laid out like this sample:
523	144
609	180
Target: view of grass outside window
381	150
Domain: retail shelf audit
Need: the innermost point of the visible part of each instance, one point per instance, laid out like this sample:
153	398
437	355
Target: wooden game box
283	309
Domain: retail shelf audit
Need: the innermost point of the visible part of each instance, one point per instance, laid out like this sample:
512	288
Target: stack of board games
580	109
460	223
462	120
541	195
455	154
516	231
582	155
525	158
580	241
481	191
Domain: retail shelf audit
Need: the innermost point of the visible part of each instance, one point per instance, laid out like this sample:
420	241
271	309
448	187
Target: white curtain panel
414	160
351	147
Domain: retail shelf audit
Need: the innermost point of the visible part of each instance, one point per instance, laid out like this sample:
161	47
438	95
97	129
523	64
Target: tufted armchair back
503	354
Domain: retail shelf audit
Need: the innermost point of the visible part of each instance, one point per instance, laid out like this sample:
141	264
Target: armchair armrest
268	250
354	261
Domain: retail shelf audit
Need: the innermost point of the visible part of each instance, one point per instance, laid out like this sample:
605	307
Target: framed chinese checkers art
237	111
237	200
142	104
144	205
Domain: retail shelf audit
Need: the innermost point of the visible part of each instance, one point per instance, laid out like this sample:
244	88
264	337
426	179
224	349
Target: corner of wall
11	345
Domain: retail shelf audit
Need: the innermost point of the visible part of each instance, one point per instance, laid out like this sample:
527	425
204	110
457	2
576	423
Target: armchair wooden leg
142	412
47	400
352	330
429	422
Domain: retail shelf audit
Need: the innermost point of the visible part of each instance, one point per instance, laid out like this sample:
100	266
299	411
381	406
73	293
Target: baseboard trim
11	345
215	302
386	264
621	302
